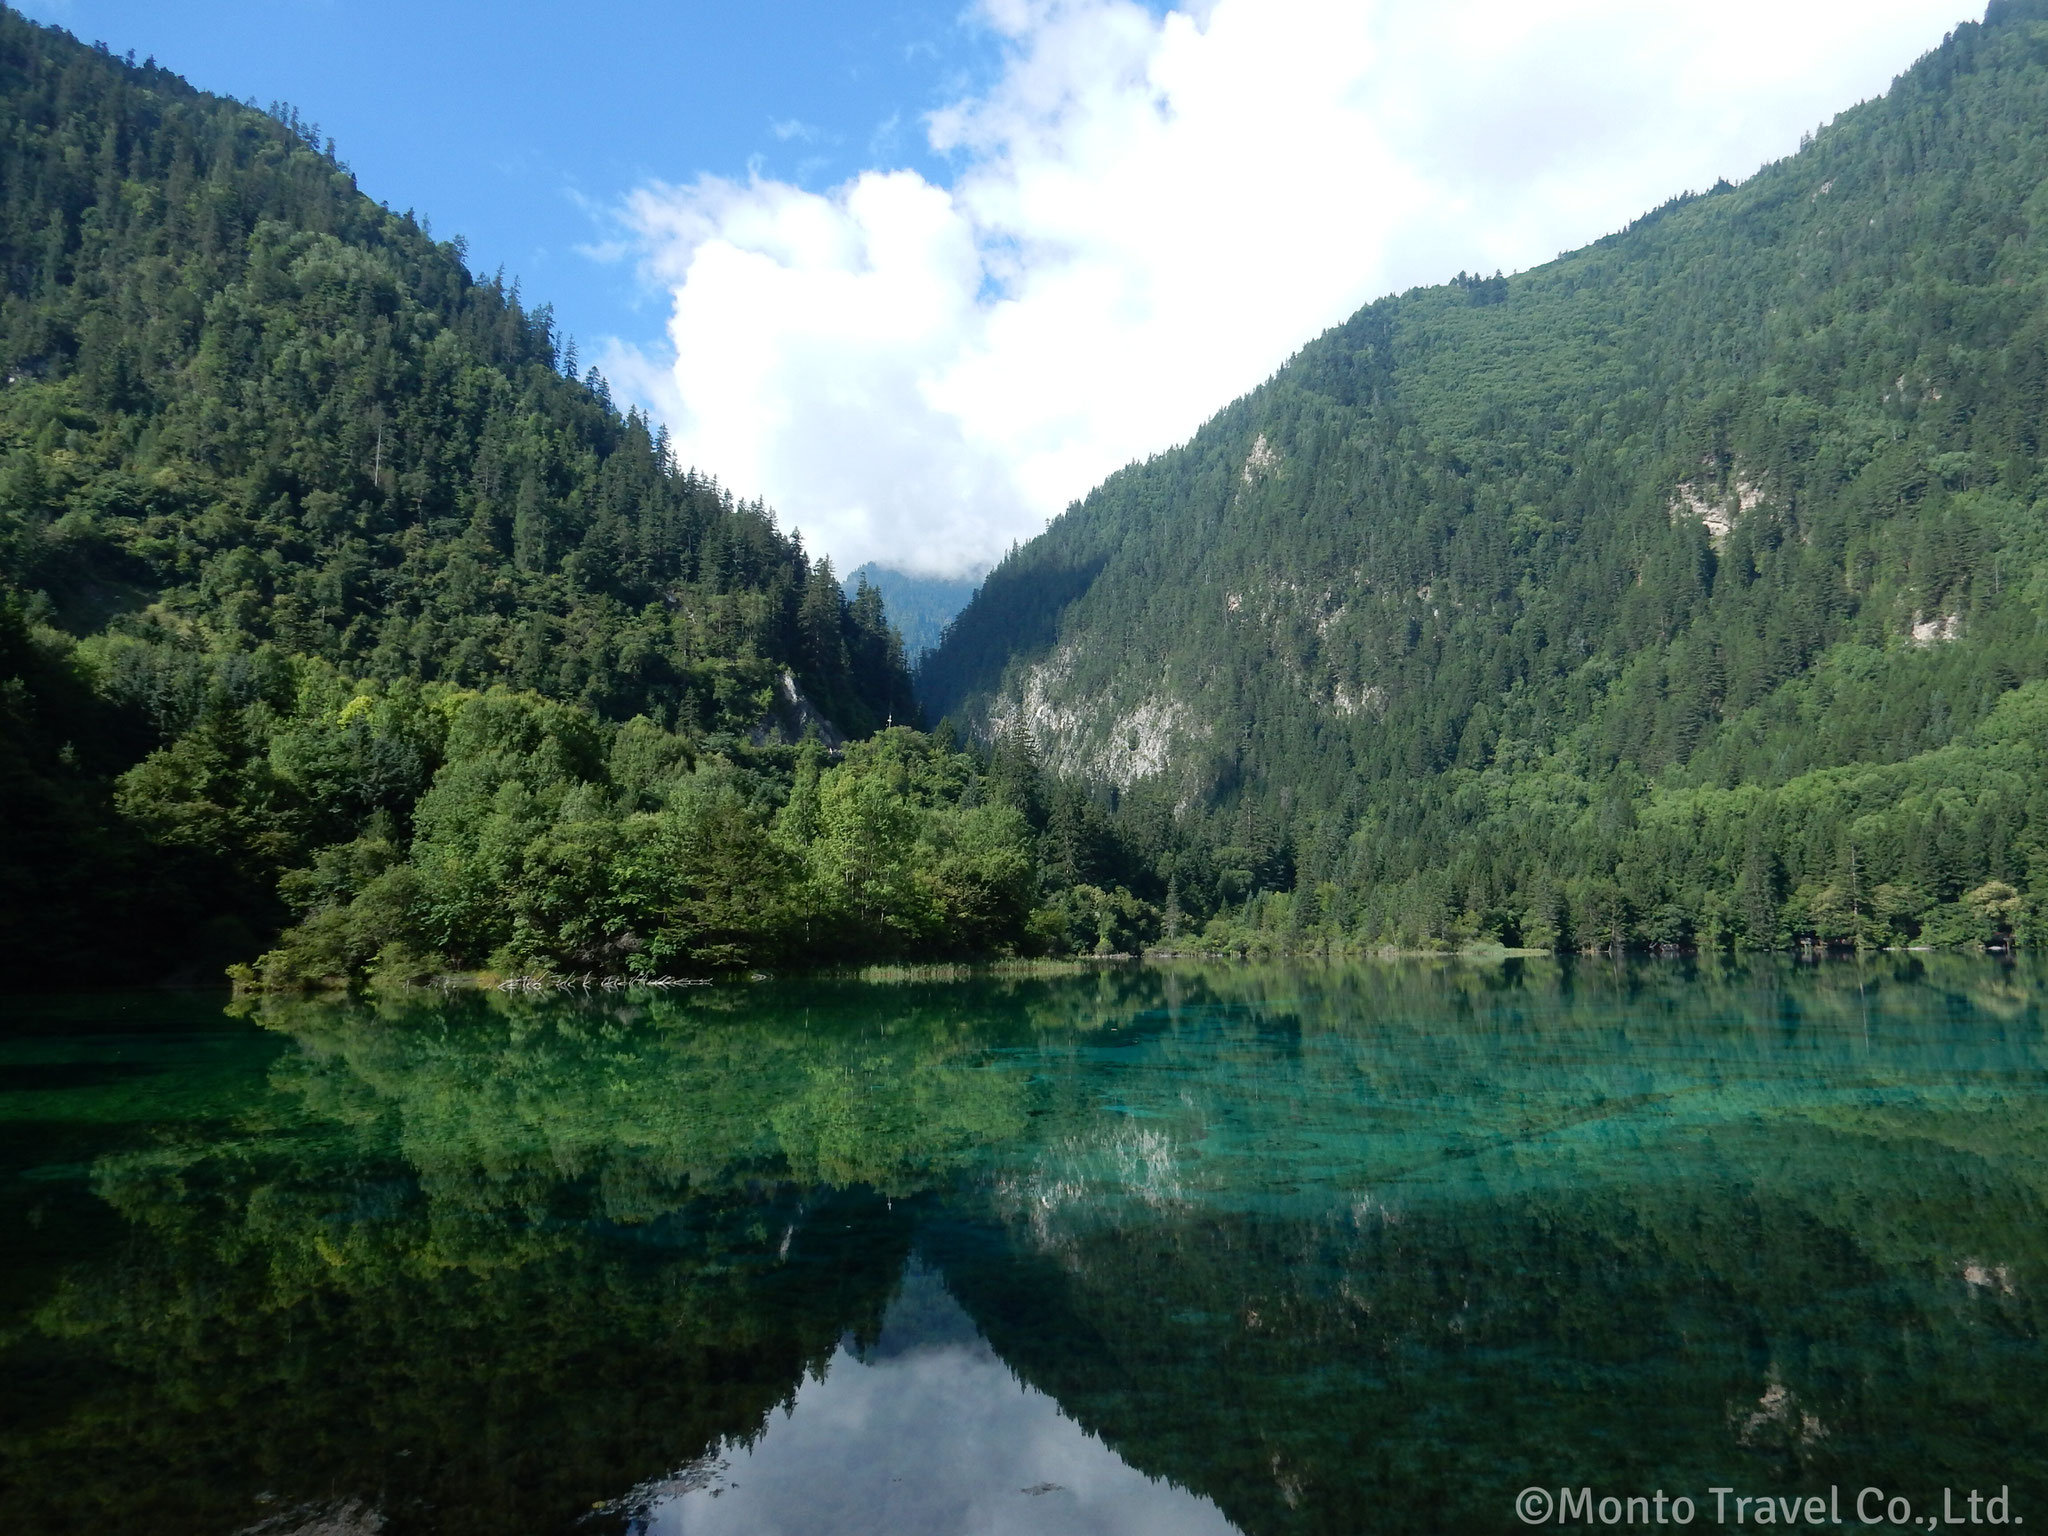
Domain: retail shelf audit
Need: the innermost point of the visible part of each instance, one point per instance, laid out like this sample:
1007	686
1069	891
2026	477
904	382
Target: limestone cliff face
1167	642
1117	737
791	717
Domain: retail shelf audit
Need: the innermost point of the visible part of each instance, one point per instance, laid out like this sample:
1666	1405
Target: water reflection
927	1431
1280	1251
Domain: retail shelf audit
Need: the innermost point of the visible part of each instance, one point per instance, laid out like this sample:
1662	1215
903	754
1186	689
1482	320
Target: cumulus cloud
1150	212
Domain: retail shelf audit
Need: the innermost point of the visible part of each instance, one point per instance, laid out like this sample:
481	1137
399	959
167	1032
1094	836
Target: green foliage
543	839
1677	592
1687	592
251	421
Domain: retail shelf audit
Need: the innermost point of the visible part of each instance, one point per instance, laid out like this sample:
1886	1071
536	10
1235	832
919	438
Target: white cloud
1151	212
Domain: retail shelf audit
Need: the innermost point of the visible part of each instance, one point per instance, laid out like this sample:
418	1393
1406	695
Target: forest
1689	592
259	433
348	632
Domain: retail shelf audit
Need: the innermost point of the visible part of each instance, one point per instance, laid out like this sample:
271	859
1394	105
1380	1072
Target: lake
1135	1249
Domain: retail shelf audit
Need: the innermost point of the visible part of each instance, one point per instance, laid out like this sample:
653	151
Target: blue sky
921	273
523	124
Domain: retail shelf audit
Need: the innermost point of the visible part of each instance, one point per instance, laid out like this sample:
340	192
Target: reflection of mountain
280	1337
1423	1363
480	1263
1326	1249
1337	1270
478	1287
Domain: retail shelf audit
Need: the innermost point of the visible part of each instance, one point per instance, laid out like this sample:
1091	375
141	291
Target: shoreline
889	973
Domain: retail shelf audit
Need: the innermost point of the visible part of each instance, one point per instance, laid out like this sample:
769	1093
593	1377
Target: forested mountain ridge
1689	590
267	447
920	607
1692	588
242	398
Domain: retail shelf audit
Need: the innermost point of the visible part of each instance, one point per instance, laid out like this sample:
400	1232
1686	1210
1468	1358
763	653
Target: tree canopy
1691	588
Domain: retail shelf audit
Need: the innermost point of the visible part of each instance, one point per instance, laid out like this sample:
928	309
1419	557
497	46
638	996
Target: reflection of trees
481	1262
1349	1257
496	1099
1419	1360
1334	1248
299	1332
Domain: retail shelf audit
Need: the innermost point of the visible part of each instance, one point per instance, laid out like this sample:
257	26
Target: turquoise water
1139	1250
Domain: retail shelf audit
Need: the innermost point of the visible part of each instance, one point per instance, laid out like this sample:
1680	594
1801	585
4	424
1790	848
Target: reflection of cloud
1152	211
937	1437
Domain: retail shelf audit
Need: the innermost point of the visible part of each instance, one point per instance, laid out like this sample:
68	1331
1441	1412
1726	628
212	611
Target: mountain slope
245	403
1490	578
262	439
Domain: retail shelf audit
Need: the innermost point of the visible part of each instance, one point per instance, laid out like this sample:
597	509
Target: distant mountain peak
919	606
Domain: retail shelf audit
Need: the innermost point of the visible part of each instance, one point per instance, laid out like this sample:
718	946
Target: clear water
1174	1250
